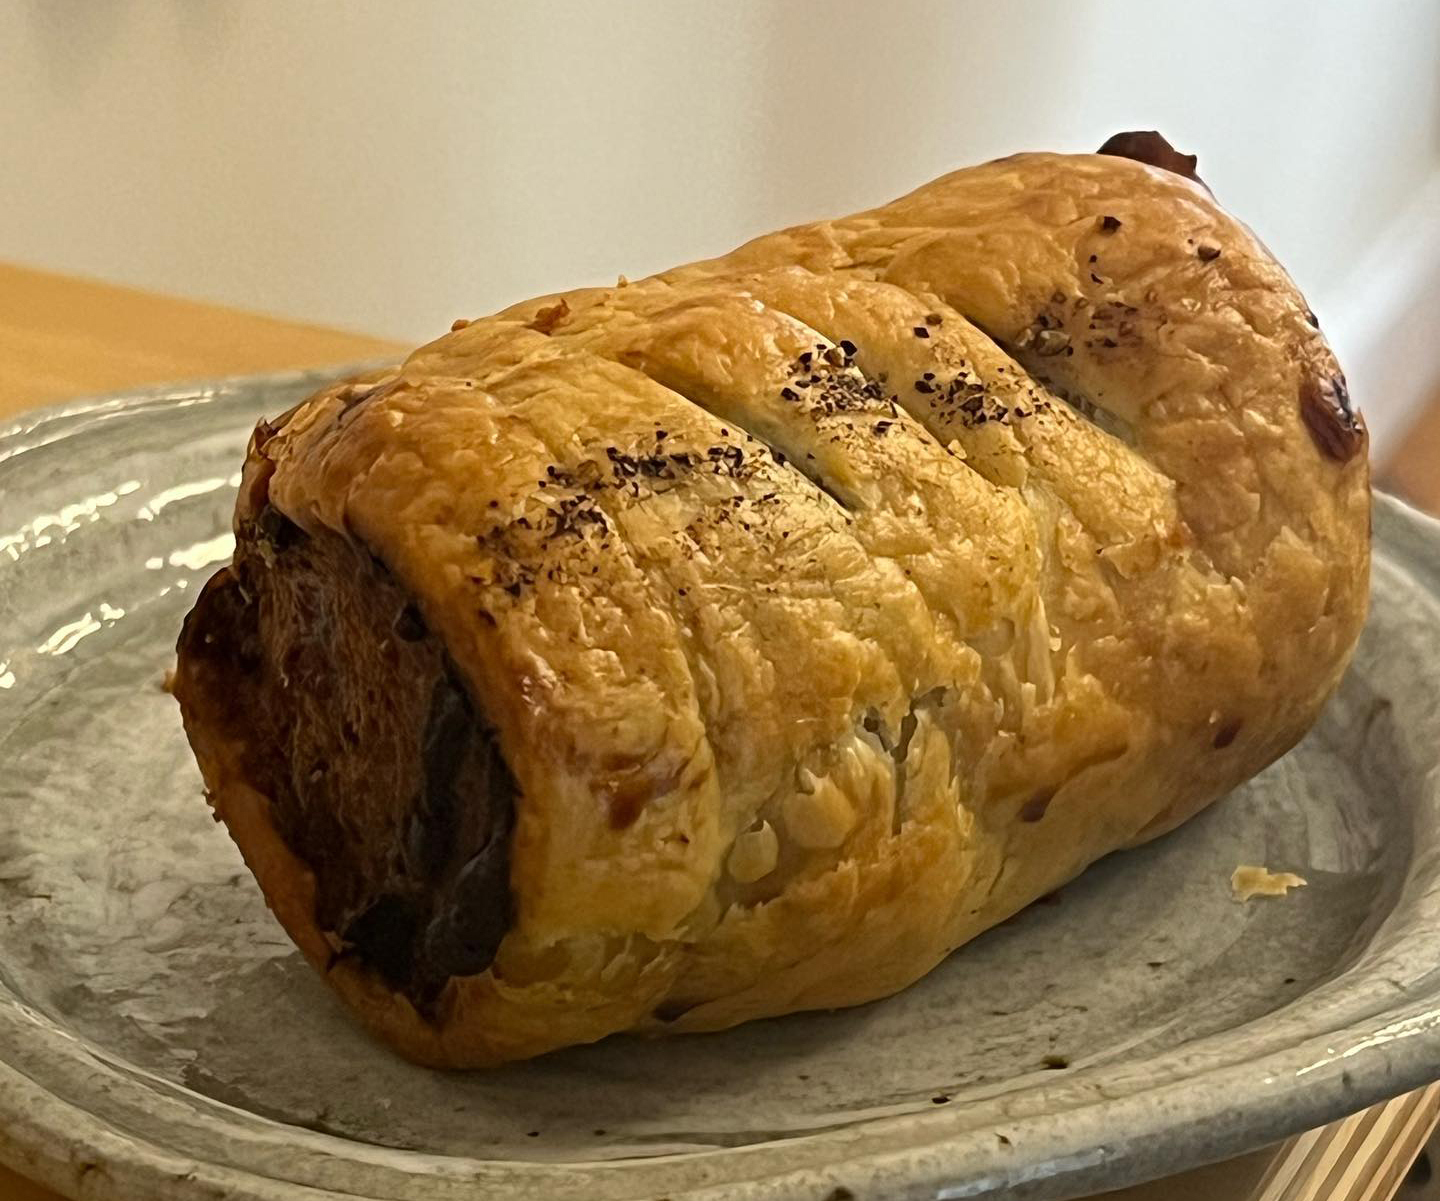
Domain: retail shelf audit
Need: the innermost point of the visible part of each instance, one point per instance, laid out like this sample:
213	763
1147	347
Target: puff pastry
744	639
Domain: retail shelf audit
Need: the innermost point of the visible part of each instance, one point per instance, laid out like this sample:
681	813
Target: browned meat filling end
382	775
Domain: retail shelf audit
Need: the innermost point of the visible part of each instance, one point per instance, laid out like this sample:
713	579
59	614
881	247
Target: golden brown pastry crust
834	599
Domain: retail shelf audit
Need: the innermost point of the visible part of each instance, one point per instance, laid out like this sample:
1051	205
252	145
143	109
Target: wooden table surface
61	338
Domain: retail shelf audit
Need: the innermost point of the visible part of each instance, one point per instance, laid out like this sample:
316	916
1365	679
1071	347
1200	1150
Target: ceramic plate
160	1039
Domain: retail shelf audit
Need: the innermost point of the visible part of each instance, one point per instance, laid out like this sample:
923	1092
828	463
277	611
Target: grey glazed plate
160	1039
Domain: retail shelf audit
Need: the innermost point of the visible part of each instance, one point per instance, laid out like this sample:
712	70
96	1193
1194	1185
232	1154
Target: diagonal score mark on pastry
667	677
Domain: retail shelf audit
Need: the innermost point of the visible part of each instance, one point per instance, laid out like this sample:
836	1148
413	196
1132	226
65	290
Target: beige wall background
387	167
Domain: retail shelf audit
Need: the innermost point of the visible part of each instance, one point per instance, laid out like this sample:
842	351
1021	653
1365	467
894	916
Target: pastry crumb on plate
1248	881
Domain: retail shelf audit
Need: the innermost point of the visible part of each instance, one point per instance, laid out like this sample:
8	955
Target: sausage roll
744	639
